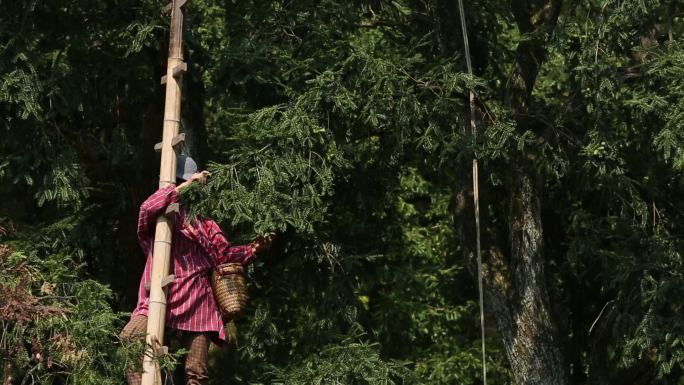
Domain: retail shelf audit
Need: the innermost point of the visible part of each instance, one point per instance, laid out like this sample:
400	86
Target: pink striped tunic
196	248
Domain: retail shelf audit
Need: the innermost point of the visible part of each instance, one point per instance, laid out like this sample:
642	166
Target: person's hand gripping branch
263	242
200	177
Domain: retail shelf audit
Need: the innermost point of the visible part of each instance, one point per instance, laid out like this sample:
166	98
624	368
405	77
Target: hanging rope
476	194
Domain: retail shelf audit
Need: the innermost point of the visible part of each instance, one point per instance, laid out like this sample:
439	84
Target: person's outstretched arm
247	253
215	242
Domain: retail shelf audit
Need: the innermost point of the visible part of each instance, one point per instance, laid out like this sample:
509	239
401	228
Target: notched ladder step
175	142
177	71
167	280
168	7
178	140
164	283
158	349
180	69
173	208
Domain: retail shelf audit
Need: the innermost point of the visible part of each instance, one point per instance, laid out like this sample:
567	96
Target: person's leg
136	328
196	372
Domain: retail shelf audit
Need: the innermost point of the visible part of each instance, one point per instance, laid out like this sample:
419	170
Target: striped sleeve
244	254
150	210
215	243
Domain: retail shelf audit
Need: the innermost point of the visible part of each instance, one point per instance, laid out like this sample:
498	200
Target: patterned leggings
196	372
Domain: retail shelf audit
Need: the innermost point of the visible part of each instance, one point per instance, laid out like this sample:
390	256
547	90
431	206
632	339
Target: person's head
185	167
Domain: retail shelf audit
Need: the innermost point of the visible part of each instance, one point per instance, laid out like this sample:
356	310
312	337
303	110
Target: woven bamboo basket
230	289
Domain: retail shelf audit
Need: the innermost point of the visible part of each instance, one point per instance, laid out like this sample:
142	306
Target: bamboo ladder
171	141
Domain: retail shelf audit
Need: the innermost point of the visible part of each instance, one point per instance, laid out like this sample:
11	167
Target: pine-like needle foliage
343	127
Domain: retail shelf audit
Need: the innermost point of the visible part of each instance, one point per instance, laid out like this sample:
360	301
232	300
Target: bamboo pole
476	195
161	256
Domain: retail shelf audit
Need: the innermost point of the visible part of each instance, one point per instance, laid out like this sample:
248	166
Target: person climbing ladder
198	246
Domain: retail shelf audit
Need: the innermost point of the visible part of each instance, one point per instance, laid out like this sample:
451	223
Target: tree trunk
515	286
515	291
530	335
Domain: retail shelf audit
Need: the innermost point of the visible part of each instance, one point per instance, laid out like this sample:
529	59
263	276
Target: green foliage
56	326
621	219
280	174
349	363
343	126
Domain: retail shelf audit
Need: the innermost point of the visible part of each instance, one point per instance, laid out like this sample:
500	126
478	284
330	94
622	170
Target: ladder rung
168	7
180	69
178	139
167	280
177	70
158	349
175	142
173	208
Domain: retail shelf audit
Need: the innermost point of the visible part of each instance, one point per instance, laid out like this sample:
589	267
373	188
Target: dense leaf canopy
341	125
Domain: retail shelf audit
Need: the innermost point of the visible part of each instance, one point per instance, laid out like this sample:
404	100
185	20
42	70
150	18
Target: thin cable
476	194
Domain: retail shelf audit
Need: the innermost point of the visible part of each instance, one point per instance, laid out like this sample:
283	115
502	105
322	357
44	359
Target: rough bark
530	338
515	289
516	292
531	341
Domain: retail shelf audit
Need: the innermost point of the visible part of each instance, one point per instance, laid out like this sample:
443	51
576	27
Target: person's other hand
200	177
263	242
